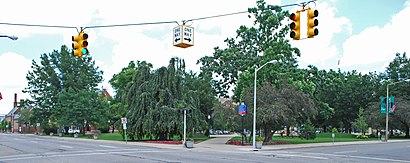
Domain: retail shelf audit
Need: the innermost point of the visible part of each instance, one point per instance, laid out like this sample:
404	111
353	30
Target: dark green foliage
308	132
62	90
253	46
153	99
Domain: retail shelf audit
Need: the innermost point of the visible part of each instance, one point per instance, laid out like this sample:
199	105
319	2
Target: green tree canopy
56	85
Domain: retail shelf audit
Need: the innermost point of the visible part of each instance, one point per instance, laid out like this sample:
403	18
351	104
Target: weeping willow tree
154	99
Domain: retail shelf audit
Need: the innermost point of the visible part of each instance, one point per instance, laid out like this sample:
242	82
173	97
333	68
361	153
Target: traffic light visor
312	13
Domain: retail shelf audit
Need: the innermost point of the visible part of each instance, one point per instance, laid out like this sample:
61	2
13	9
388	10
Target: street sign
124	126
183	36
38	124
383	106
124	120
242	110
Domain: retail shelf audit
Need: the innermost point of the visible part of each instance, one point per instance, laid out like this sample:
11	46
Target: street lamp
209	124
10	37
254	102
387	106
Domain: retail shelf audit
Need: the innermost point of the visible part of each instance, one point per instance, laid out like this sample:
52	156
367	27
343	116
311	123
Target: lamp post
254	102
10	37
209	126
387	107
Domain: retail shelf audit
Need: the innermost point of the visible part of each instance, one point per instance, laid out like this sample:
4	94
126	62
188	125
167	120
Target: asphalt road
26	148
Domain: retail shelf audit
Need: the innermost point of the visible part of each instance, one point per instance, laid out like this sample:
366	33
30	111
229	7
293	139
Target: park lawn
320	138
118	137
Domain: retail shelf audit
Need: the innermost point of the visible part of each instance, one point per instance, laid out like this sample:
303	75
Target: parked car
397	132
73	130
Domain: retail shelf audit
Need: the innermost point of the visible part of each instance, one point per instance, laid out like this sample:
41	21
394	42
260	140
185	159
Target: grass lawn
320	138
118	137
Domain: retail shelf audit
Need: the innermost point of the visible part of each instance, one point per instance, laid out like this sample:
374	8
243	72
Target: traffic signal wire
136	24
37	25
149	23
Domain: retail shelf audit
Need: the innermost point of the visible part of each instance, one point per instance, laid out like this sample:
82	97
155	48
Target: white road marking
117	152
313	157
65	146
34	141
107	146
344	152
359	157
22	155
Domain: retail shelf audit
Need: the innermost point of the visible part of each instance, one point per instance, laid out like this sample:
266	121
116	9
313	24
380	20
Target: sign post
124	125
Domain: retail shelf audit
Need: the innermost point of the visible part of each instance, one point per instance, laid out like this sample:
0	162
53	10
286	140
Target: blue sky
363	35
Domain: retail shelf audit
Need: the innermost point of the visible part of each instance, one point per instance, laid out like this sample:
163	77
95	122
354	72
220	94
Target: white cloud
13	70
378	44
320	50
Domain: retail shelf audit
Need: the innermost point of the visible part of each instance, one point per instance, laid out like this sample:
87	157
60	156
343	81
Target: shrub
104	129
334	130
259	139
362	137
308	132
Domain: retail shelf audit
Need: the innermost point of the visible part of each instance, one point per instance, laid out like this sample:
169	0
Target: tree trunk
287	131
269	135
407	131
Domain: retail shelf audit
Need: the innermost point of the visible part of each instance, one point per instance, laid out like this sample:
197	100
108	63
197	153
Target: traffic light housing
80	44
295	25
312	22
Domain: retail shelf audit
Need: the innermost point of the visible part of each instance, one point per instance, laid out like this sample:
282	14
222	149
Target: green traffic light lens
84	51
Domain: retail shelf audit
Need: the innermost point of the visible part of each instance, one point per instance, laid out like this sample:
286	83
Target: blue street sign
242	110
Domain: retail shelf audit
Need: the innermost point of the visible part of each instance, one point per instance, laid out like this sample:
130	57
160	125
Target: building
13	117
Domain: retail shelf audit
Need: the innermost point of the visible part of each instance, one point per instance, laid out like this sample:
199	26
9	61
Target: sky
353	35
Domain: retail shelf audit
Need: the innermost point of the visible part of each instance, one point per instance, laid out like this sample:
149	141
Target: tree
60	75
399	70
280	106
360	122
154	98
80	108
253	46
119	82
25	116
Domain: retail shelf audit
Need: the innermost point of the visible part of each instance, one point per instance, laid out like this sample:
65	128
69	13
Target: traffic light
312	22
80	44
295	25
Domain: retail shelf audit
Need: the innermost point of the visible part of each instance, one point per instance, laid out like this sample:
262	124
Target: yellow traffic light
295	25
80	44
312	22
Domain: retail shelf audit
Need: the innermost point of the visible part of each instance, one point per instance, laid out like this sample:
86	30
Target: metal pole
243	131
254	112
125	132
387	113
184	126
209	126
